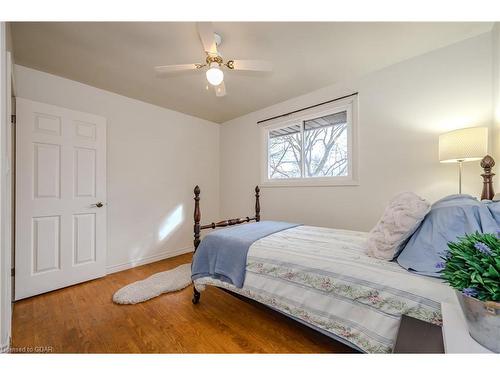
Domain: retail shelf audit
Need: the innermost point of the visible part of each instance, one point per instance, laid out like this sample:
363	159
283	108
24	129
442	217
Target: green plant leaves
468	267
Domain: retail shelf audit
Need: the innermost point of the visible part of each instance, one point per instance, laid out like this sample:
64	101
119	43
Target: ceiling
120	56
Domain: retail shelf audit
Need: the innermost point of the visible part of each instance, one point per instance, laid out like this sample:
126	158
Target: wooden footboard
224	223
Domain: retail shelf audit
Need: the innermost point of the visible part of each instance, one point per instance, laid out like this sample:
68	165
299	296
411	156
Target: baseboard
149	259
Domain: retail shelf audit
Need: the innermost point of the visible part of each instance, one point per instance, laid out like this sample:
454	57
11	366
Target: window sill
308	183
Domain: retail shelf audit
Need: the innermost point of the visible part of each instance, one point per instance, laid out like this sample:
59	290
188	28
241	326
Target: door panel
85	130
47	169
61	174
84	238
47	124
46	244
85	172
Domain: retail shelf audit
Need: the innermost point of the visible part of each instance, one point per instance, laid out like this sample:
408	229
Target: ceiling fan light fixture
215	75
214	63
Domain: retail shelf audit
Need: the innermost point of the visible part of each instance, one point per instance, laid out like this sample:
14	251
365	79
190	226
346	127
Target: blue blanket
449	218
223	254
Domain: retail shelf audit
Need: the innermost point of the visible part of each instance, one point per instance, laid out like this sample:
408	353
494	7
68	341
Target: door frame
6	208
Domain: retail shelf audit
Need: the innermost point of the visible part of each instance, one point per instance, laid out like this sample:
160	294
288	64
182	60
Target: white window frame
350	105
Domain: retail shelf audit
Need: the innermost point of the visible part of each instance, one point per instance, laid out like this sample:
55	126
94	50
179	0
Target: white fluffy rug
159	283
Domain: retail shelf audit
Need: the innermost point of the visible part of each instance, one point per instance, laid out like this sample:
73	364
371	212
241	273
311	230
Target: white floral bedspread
322	276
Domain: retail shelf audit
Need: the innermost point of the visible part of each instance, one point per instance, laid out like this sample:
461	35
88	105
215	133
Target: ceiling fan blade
220	90
206	32
256	65
166	69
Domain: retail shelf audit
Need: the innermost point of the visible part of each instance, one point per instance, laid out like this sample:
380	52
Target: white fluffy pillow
400	220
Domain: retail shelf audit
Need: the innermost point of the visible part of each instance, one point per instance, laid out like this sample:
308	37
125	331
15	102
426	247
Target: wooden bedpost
197	228
197	218
487	163
257	204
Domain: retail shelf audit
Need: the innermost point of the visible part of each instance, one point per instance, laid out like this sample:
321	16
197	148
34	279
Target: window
311	148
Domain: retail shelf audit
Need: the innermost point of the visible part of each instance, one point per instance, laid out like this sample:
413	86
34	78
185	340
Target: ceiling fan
214	61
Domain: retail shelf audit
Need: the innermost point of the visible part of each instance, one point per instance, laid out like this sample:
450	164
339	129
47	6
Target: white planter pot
483	320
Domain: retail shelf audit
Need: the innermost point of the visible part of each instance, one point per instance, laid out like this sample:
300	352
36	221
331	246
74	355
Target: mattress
323	278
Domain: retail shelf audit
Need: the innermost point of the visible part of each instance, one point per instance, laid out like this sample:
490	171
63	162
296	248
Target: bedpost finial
487	162
257	204
196	190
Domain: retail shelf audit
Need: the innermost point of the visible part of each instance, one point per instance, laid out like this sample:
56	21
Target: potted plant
471	265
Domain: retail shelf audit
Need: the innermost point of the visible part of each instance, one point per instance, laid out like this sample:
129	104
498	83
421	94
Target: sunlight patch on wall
171	222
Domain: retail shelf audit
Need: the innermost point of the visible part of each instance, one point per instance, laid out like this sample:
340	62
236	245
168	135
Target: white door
60	197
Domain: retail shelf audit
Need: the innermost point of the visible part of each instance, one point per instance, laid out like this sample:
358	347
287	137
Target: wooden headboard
487	163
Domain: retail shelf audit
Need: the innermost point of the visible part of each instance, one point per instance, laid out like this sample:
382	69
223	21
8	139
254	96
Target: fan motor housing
214	59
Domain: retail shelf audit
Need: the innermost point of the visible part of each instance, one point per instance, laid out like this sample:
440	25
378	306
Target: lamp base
460	168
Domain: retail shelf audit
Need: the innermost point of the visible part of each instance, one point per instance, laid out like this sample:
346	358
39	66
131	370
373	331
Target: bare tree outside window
285	155
325	149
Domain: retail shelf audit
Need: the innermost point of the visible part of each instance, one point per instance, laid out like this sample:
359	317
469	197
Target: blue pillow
449	218
494	207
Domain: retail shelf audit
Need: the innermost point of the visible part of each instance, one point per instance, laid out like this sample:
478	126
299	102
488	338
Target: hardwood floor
83	319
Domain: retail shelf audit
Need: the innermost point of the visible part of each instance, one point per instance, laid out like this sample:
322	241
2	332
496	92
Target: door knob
98	205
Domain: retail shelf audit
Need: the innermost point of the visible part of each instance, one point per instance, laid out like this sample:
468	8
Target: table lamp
462	145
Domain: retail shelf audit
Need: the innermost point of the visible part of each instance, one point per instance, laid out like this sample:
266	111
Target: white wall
155	157
402	110
496	101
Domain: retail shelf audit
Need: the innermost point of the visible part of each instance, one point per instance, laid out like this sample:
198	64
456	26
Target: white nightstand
455	332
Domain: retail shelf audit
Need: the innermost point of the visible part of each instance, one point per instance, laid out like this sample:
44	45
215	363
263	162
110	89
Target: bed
322	278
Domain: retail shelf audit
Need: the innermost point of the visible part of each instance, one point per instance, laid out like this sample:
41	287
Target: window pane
284	150
325	146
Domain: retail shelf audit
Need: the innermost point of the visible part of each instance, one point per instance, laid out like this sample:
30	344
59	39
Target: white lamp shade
463	145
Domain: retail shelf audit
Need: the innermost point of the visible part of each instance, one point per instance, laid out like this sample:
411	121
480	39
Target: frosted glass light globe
215	76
